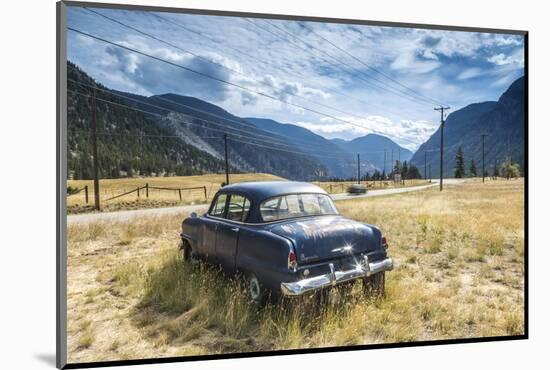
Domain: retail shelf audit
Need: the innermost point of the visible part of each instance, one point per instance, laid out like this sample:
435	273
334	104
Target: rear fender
266	255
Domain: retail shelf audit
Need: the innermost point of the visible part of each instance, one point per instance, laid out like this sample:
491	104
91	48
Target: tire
257	293
375	285
186	253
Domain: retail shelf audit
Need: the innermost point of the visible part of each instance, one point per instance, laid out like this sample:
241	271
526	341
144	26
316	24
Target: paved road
126	215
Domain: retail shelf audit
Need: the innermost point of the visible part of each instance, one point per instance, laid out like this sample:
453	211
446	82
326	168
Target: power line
213	137
283	141
263	61
216	63
341	157
425	98
228	82
139	101
386	87
176	136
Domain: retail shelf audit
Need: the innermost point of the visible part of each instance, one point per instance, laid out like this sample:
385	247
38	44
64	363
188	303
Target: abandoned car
286	238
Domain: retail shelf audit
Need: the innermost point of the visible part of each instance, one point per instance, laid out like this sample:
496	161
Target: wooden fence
138	190
78	191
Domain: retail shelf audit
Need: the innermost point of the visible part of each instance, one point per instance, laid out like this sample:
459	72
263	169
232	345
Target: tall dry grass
459	274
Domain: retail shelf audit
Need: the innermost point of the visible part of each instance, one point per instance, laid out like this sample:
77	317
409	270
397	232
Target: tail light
384	242
292	262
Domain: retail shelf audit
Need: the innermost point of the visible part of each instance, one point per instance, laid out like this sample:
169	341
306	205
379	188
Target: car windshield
296	205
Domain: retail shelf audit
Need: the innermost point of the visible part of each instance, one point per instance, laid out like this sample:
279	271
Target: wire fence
144	191
78	191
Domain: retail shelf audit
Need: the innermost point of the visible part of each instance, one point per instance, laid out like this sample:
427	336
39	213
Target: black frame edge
61	189
61	268
227	13
226	356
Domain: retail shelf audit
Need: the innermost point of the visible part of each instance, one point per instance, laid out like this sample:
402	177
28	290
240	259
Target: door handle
235	229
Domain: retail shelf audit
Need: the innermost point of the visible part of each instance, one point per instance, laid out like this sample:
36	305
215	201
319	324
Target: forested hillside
129	142
503	122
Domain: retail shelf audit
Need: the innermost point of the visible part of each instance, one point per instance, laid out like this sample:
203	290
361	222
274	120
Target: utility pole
399	159
392	164
94	153
384	163
442	111
425	177
483	150
226	160
430	172
358	169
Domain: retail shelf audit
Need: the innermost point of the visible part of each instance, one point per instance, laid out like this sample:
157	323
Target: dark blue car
285	238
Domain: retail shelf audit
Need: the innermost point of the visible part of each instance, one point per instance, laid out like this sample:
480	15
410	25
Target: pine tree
405	170
459	166
473	169
413	172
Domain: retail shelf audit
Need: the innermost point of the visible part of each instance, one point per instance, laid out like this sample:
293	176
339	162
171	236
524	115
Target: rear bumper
333	278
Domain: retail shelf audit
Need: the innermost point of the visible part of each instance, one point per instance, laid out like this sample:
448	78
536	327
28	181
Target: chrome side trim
333	278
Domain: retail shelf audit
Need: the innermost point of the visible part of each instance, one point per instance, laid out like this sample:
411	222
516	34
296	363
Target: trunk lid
328	237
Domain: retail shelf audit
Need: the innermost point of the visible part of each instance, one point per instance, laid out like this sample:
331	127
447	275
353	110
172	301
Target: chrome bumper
365	269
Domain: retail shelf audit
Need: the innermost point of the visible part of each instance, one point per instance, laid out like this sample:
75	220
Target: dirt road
125	215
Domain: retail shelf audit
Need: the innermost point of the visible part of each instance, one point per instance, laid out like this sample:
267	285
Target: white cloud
407	133
501	59
469	73
444	65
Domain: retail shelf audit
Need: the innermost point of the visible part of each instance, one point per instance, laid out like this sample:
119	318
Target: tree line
408	171
507	169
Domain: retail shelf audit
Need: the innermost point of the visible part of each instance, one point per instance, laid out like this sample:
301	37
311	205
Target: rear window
296	205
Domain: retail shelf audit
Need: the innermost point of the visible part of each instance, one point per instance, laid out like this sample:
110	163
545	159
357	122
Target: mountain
250	148
503	121
336	160
129	142
170	134
371	149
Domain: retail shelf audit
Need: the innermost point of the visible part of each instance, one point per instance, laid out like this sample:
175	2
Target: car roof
258	191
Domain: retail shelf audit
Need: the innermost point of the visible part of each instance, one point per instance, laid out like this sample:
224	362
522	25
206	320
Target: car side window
239	207
219	207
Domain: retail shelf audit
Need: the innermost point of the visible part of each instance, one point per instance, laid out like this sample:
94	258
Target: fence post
147	190
205	197
179	192
86	193
331	188
138	191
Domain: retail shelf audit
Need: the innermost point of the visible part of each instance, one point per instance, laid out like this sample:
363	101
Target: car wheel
374	285
186	253
256	291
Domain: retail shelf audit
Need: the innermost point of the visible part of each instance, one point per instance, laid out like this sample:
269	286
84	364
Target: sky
337	80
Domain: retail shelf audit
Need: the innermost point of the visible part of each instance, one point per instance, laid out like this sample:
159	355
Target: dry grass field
341	186
157	198
459	273
165	198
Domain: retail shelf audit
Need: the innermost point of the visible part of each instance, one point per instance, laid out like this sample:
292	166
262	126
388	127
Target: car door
227	236
210	227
